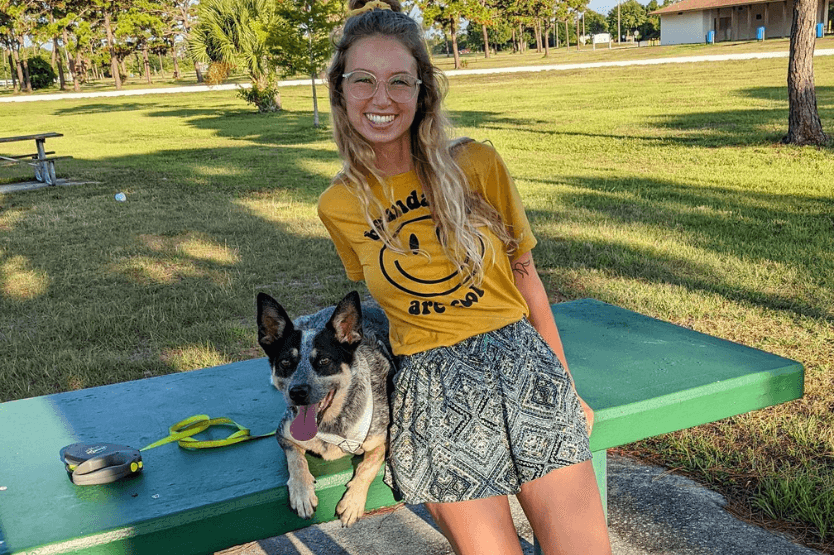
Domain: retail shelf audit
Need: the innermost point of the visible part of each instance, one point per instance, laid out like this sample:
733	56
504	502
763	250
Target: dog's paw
303	498
351	507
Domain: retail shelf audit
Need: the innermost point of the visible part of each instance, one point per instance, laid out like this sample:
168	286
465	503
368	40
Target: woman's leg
478	527
565	511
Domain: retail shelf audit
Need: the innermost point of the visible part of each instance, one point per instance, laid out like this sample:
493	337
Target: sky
605	6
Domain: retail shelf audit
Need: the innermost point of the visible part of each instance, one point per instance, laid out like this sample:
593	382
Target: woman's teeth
379	119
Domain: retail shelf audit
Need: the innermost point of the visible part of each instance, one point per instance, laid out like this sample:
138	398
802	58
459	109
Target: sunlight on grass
194	356
20	281
322	168
192	245
217	171
300	216
176	258
10	218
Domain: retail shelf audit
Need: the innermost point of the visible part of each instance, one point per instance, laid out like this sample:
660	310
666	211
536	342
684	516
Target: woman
483	406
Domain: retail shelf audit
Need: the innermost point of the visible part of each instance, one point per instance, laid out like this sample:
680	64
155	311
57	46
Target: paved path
651	512
556	67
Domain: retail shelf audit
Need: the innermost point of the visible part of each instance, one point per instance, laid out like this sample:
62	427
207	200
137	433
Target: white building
691	21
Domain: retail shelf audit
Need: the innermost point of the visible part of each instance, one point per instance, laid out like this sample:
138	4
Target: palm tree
234	32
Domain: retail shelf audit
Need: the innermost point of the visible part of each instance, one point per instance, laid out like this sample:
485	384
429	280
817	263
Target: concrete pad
650	512
32	185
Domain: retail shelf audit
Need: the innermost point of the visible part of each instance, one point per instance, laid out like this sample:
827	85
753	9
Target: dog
335	370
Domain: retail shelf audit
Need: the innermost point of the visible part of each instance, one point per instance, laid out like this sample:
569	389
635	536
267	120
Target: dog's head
310	365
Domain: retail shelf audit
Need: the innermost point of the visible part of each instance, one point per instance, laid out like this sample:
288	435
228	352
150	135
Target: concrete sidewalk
651	512
523	69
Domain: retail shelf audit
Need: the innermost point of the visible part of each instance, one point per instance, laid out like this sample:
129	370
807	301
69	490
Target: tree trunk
486	41
567	34
19	67
804	125
114	61
577	33
315	100
77	68
70	64
454	28
546	38
26	76
176	64
313	79
147	63
537	29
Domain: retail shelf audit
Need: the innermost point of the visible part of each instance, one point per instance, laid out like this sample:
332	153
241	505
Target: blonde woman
483	405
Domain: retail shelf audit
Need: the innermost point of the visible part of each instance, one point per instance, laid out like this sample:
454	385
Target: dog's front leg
303	498
352	505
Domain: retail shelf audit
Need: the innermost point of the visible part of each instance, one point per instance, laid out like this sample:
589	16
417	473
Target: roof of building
699	5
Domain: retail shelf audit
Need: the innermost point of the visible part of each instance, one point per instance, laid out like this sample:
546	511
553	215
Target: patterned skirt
482	417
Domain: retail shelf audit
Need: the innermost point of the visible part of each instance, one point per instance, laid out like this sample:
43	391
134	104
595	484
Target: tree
141	27
632	15
595	23
184	12
299	38
804	125
77	35
110	11
234	32
446	14
18	19
650	29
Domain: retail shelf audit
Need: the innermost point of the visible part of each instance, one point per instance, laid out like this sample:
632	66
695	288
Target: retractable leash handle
102	463
90	464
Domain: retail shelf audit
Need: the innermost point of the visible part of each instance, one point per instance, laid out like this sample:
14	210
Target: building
691	21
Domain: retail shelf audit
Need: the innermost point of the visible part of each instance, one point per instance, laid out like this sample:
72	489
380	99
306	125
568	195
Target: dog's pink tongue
304	427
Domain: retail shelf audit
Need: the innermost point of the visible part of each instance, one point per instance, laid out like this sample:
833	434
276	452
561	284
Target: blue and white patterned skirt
482	417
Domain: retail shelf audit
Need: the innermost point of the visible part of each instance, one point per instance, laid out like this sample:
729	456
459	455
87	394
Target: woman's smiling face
384	123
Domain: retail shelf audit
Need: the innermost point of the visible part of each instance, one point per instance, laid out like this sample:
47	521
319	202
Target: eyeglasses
363	85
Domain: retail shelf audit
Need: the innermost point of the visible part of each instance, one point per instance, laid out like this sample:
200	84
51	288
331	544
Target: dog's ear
346	321
273	323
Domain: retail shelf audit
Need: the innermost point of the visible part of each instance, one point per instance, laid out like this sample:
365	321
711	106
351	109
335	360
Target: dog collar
356	436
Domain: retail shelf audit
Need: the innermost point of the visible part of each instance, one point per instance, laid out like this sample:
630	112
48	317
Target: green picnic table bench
43	163
642	376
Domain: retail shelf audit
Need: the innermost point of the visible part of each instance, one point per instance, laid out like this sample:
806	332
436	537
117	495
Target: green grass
662	189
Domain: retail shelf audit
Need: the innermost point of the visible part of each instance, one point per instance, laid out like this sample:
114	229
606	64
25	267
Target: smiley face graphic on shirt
422	270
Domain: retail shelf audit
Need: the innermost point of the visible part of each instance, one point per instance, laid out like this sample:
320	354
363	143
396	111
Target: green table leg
601	470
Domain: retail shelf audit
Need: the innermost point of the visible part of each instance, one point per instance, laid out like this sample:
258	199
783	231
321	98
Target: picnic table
44	164
642	376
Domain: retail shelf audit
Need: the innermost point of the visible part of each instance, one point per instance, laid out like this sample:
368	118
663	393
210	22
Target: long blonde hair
456	210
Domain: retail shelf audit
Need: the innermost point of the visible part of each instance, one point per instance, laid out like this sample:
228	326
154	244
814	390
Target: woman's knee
477	527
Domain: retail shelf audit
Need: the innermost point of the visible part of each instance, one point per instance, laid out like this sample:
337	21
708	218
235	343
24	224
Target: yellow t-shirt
424	298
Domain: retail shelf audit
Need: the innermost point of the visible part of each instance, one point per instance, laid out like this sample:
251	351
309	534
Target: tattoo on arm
520	268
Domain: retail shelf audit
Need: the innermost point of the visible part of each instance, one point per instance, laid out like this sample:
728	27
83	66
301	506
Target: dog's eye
285	363
324	361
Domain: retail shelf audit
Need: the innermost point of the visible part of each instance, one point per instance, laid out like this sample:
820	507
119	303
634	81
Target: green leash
90	464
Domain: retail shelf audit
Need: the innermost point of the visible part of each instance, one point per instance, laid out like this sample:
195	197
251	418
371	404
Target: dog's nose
300	394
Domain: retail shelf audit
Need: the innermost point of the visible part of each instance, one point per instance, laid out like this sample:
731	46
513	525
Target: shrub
267	99
41	73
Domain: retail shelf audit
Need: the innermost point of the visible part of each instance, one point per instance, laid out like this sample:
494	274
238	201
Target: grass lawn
663	189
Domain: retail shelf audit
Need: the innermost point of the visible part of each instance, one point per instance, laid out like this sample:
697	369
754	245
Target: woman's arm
530	285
